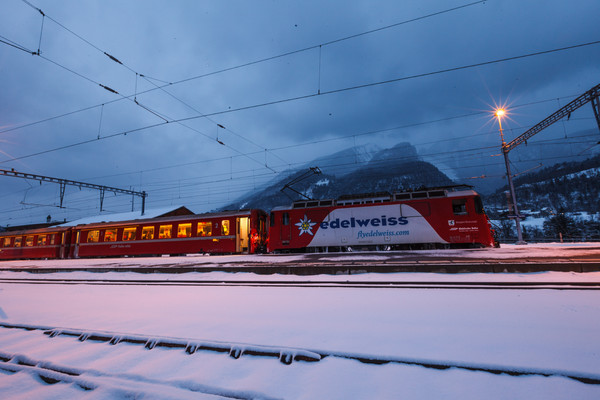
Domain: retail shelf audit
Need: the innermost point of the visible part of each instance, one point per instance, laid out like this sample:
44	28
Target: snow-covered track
286	355
128	386
492	285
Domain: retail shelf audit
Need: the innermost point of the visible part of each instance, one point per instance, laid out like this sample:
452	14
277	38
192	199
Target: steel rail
492	285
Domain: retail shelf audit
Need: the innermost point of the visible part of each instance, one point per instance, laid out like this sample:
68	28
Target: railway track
495	285
51	373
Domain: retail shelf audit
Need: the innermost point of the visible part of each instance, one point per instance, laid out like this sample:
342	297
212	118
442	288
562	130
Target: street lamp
499	113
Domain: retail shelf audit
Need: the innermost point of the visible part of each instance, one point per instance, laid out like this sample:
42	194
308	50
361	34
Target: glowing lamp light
500	112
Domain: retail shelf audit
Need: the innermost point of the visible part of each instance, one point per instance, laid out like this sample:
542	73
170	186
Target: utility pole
517	217
591	96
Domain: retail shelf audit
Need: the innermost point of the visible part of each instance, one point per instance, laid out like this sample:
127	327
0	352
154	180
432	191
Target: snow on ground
507	251
544	330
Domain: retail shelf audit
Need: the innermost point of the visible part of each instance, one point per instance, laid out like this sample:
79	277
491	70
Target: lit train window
184	230
29	241
225	227
7	242
93	236
204	229
147	233
164	232
110	235
41	240
459	206
129	233
18	241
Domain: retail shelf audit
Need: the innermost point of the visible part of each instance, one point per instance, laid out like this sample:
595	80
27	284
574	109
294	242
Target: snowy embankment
545	332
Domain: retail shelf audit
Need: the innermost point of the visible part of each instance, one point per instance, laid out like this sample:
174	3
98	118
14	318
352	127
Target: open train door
242	244
76	248
65	244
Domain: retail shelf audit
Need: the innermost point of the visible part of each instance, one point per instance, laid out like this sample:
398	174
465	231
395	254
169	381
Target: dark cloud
172	42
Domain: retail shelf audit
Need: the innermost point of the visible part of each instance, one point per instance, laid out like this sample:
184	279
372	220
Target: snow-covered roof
128	216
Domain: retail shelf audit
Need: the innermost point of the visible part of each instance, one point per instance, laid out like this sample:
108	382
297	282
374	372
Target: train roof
131	216
36	231
165	219
384	197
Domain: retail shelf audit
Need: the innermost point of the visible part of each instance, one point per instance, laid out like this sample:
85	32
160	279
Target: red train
442	217
446	217
226	232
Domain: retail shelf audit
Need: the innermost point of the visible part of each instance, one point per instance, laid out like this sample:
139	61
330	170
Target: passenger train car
228	232
35	243
442	217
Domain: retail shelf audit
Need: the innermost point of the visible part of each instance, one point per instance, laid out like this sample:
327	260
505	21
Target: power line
137	74
307	96
266	59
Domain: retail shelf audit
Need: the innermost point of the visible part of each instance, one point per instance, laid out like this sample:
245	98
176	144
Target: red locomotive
442	217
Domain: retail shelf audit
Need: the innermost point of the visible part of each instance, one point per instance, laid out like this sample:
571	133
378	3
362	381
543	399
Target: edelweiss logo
305	225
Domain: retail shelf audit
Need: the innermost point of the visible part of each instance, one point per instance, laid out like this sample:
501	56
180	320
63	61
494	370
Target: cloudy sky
211	99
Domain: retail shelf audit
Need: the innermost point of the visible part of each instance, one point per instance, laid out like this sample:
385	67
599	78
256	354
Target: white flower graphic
305	226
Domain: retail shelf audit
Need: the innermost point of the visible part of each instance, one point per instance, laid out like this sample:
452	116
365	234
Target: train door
65	244
242	236
285	228
61	253
76	250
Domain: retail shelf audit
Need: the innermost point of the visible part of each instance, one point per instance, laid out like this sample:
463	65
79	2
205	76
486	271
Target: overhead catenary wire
239	66
296	98
113	58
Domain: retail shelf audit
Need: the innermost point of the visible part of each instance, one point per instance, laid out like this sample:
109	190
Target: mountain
568	186
350	171
574	147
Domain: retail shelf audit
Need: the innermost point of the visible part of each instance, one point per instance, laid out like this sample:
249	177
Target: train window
312	204
52	238
29	241
18	241
147	233
299	204
204	229
419	195
478	205
285	219
272	219
402	196
326	203
41	240
7	241
129	233
93	236
184	230
459	206
225	227
110	235
437	193
164	232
